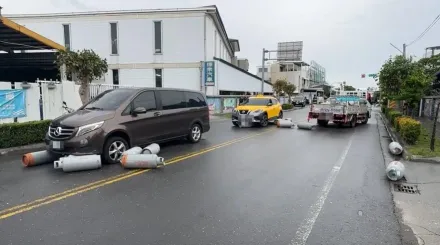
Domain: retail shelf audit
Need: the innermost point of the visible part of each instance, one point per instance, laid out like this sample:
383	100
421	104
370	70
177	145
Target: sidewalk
420	212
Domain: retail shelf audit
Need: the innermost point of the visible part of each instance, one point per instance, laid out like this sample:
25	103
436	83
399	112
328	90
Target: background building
176	48
316	73
294	72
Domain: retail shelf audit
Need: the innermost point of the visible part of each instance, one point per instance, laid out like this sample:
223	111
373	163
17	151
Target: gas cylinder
308	126
78	163
395	170
142	161
133	150
38	158
395	148
151	149
285	123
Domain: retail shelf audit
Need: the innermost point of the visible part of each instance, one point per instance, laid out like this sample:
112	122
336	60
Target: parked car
259	109
299	101
118	119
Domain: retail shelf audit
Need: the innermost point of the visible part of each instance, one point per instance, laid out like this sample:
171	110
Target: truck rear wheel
365	121
353	122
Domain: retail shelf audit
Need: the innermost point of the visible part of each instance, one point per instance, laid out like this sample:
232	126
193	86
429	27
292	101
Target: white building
154	48
266	72
294	72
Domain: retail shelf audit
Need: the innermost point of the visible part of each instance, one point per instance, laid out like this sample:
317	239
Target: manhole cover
405	188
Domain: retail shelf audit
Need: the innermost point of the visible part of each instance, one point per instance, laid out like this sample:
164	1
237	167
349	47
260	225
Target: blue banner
12	103
209	73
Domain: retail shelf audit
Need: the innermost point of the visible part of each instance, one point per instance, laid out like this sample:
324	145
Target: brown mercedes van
118	119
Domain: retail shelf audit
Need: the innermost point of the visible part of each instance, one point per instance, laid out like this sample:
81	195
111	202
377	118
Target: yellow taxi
257	110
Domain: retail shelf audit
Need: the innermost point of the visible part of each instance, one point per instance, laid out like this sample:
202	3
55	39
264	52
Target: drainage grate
409	189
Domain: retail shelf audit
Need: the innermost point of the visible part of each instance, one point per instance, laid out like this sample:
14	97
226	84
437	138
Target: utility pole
262	70
404	51
264	59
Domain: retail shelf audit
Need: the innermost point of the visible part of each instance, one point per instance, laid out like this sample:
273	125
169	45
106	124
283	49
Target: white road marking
303	232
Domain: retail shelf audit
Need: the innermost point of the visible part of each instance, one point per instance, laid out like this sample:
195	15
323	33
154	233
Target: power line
425	31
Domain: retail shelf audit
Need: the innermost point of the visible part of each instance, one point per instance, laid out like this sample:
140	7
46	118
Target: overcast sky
347	37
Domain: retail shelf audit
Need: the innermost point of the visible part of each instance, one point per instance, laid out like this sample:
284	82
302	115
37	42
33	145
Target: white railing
96	89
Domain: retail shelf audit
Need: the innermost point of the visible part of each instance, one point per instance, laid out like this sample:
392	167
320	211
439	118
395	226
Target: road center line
304	230
103	180
81	189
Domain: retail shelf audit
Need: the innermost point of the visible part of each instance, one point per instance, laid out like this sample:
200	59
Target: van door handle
157	113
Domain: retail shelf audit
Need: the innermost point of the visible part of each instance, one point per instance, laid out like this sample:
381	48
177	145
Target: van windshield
109	100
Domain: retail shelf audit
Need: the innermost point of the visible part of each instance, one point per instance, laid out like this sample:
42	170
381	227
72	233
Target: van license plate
56	145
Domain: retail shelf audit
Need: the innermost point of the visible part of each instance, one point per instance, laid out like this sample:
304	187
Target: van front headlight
89	128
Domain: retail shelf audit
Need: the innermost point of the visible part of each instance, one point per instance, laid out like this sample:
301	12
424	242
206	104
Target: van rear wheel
113	149
195	133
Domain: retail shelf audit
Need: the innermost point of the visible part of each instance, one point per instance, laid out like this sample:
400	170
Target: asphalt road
264	186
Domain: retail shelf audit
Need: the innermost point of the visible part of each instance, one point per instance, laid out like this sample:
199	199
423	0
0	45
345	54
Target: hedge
287	106
19	134
409	129
397	122
393	115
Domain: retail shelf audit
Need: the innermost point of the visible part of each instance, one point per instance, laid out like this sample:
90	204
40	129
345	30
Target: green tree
349	88
393	74
289	89
431	66
278	86
86	65
413	87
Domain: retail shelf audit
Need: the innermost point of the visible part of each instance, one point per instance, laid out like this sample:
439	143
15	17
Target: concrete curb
406	155
32	147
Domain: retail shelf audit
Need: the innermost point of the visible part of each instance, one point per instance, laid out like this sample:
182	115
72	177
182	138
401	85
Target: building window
114	37
283	68
158	37
115	74
215	43
66	30
158	77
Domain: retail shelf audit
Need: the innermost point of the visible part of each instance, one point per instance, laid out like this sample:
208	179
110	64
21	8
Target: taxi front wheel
264	121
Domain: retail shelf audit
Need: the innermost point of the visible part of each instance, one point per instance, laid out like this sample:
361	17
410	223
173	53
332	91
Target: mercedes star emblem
57	131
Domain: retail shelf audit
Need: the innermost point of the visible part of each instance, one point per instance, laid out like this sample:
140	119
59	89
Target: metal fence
96	89
427	107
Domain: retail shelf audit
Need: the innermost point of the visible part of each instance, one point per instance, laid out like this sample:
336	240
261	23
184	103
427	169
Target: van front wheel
195	134
113	149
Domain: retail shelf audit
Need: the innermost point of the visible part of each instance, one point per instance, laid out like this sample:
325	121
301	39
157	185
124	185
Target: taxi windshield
256	101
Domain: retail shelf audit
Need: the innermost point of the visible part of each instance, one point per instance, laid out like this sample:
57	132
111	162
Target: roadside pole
264	59
262	71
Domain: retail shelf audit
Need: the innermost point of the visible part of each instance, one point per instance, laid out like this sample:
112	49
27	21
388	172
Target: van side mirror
269	104
139	110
